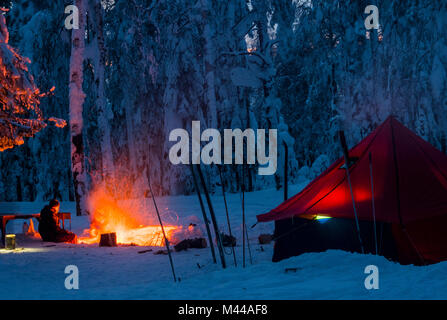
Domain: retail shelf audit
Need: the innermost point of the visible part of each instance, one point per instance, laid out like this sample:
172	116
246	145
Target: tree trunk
209	57
77	98
98	56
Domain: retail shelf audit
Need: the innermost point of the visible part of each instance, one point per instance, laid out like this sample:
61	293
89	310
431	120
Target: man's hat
54	203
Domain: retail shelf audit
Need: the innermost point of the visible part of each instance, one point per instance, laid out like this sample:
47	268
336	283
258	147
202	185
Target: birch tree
76	98
209	63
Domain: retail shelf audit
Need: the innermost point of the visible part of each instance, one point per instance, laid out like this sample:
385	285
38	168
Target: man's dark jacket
49	227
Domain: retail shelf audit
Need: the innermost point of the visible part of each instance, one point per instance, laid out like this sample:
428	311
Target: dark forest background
306	68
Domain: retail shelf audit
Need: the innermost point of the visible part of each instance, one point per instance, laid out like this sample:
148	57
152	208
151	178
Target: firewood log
108	240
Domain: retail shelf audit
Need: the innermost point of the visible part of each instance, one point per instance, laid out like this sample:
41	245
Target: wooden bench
6	217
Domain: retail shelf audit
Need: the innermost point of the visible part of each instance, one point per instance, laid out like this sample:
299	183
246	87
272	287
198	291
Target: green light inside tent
321	217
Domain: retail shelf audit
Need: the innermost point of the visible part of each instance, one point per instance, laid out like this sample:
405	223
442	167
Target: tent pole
226	210
213	218
243	217
286	169
372	200
344	147
205	218
248	246
161	225
244	225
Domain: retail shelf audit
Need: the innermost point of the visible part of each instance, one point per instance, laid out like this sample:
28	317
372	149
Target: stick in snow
161	225
213	218
226	210
205	218
145	251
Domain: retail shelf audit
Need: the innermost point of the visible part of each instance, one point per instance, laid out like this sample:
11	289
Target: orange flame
108	216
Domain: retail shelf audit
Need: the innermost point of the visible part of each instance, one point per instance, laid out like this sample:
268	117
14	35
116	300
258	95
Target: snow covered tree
77	97
39	169
96	100
141	68
20	115
22	167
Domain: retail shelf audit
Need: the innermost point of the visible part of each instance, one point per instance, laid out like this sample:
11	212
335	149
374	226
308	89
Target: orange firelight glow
108	216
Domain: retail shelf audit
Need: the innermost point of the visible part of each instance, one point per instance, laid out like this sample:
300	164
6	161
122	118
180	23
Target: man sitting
49	225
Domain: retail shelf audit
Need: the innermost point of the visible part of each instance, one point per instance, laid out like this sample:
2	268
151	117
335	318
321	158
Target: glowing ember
108	217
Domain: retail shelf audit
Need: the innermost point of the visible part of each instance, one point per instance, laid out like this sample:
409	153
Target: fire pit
112	224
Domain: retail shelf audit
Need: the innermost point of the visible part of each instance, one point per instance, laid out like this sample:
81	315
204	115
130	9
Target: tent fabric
410	181
410	195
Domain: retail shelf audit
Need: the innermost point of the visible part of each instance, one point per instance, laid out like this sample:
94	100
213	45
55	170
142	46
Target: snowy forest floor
36	270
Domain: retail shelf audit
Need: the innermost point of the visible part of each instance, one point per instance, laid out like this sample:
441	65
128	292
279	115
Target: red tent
410	192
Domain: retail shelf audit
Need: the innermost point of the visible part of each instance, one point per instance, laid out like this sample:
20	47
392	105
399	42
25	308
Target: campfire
131	227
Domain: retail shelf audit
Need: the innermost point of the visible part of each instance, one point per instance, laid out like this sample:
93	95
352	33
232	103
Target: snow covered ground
36	271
